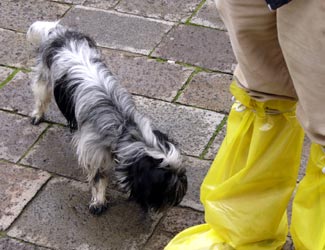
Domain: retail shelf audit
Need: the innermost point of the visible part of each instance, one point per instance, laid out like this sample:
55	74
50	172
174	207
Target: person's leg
301	29
247	189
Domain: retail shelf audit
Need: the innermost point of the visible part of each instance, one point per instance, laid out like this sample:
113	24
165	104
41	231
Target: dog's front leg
98	191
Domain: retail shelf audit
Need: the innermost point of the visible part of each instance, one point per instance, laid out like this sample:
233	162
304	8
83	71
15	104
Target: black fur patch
61	41
154	187
64	99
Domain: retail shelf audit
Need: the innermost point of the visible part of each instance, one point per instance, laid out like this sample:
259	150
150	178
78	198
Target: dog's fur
109	132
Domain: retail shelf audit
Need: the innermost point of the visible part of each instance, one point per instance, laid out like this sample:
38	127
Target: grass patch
9	78
219	128
180	91
195	11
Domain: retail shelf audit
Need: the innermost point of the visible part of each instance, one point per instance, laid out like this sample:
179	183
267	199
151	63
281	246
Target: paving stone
196	171
55	153
304	158
58	217
169	10
17	96
203	47
125	32
208	16
214	148
12	244
208	91
158	240
4	73
178	219
147	77
13	50
289	244
18	186
192	128
19	15
17	135
101	4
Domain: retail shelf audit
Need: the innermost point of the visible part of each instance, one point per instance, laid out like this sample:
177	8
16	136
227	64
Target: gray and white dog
109	132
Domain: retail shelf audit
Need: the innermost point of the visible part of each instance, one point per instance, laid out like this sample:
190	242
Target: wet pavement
173	56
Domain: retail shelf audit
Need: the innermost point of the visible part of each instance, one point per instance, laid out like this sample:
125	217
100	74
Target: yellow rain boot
308	211
250	182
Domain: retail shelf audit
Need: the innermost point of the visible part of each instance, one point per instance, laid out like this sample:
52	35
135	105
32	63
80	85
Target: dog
108	130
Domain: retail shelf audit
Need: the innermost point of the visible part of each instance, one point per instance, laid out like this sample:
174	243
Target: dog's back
73	64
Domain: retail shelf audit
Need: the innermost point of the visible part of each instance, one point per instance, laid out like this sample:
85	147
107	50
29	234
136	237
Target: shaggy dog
109	132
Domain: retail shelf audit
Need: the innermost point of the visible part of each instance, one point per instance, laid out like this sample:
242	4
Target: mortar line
9	78
35	142
195	11
162	38
27	116
184	86
25	70
218	129
28	204
155	229
30	243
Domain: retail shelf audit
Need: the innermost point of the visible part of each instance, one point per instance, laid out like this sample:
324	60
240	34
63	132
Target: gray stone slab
17	135
169	10
178	219
12	244
158	240
304	158
17	96
19	15
58	217
4	73
196	171
101	4
18	186
208	91
208	16
55	153
147	77
192	128
118	31
13	50
200	46
215	146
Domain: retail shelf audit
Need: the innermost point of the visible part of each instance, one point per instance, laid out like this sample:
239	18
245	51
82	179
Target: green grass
219	128
195	11
180	91
9	78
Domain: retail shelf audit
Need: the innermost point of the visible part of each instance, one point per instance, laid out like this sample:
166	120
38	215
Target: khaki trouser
281	55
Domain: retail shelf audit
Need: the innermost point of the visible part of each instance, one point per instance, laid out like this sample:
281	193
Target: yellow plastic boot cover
308	211
250	182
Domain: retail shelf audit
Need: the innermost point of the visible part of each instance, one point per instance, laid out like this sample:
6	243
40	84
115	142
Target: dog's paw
36	120
98	209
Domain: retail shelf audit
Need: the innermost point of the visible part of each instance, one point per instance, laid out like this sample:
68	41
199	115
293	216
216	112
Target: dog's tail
39	32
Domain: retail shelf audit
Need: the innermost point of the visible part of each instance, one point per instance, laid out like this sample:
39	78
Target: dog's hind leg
96	160
42	90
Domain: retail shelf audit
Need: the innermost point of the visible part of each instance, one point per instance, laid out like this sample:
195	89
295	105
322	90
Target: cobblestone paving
173	56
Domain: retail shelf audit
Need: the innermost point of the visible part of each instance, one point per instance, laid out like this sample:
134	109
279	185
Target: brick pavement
173	56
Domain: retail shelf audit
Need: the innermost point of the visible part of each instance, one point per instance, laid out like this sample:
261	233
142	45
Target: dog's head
155	182
155	187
